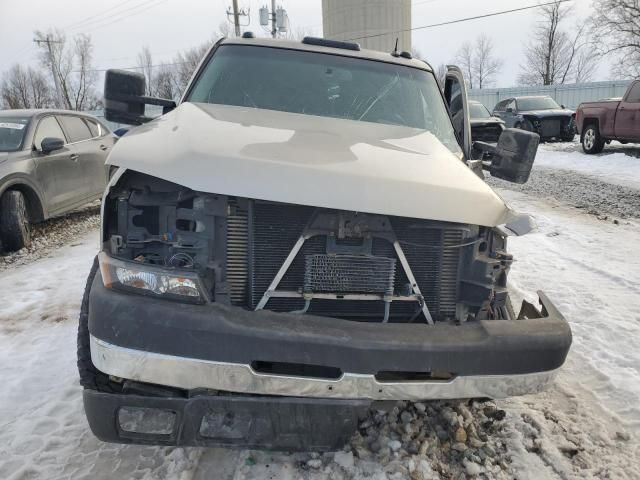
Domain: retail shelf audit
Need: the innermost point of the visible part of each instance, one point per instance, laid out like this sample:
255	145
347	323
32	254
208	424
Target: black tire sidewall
90	377
598	144
15	231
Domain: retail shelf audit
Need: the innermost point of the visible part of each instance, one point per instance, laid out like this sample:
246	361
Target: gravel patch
605	200
416	441
435	440
52	234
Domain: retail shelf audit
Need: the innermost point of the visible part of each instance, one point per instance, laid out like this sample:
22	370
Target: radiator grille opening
274	228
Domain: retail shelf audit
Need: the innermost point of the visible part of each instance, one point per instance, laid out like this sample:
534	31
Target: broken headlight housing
151	280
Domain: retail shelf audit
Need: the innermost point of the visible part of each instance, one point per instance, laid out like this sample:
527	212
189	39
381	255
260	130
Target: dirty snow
586	426
617	164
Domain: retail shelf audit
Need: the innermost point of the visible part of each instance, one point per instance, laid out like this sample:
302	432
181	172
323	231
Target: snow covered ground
617	164
587	426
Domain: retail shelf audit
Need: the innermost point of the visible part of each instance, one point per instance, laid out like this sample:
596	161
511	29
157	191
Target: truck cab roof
319	48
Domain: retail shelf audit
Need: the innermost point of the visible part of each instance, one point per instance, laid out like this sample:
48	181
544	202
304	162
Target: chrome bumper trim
190	373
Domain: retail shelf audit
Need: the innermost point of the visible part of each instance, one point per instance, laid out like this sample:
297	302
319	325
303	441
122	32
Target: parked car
612	119
485	127
541	115
51	161
281	250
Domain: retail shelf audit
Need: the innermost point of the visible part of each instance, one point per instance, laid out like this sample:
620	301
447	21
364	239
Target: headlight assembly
150	280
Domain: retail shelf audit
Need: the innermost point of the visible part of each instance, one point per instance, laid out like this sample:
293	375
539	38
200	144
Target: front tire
592	142
90	376
15	231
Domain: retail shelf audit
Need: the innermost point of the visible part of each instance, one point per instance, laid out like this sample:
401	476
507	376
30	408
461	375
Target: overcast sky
168	26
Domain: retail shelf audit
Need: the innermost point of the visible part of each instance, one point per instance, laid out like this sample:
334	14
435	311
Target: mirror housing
124	99
512	159
510	110
50	144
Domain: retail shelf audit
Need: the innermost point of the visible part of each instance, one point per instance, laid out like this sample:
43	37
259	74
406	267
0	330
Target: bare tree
485	65
164	82
553	56
145	64
441	73
72	65
186	63
478	62
615	27
82	84
465	60
25	88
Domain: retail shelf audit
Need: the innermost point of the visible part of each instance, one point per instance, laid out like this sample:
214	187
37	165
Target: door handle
74	157
103	147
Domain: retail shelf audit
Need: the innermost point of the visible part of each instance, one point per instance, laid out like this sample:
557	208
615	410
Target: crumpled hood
310	160
549	113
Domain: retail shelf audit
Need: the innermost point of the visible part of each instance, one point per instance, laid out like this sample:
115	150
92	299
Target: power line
133	68
460	20
78	22
116	17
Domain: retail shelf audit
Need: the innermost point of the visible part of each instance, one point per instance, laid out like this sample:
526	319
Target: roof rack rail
325	42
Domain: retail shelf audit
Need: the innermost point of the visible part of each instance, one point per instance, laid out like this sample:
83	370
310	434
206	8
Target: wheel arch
34	199
587	122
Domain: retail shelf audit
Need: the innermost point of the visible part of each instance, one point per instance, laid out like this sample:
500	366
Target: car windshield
12	131
477	110
325	85
537	103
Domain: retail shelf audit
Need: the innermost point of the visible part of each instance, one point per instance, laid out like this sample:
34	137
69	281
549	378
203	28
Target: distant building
354	19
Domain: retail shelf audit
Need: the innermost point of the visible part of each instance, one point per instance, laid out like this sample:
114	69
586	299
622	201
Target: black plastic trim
231	334
272	423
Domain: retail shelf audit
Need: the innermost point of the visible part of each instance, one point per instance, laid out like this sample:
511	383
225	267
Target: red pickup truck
612	119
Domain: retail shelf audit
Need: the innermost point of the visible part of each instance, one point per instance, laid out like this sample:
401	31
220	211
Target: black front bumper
230	334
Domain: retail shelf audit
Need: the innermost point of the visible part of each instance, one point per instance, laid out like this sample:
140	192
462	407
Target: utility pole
277	17
236	17
274	26
60	102
236	14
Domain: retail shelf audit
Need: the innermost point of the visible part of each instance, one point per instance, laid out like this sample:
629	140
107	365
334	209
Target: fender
40	211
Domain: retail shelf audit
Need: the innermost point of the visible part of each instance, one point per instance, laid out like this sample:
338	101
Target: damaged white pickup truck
304	234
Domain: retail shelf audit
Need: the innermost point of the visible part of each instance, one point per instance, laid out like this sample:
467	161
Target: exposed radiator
274	228
237	252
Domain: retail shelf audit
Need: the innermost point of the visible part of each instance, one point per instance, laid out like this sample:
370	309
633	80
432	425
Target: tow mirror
50	144
512	159
455	94
124	99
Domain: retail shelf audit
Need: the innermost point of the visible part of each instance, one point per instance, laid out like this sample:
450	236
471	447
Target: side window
501	106
48	127
93	126
76	128
634	94
511	104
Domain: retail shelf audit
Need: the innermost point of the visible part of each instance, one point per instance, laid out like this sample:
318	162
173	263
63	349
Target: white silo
355	19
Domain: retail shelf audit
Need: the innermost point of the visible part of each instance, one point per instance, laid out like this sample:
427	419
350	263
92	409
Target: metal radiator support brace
320	225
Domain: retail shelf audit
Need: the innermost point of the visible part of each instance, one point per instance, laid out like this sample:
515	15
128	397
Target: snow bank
615	165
